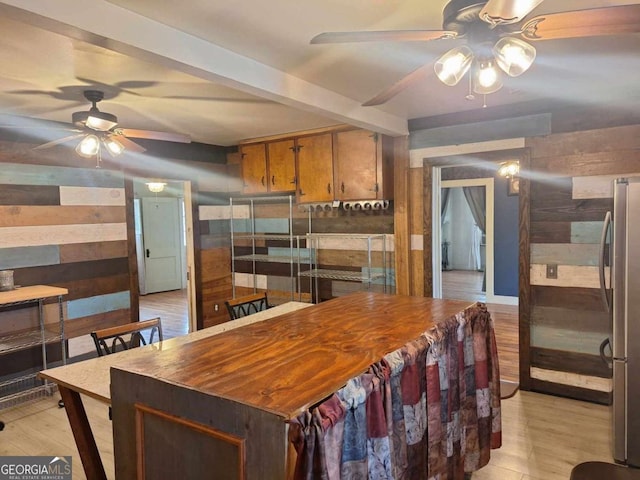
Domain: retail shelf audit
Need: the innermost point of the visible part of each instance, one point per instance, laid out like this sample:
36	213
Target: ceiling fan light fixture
88	146
486	78
453	65
156	187
113	146
101	121
513	55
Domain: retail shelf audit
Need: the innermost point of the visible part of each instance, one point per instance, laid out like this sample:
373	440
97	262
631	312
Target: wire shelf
21	341
341	275
24	389
264	236
271	258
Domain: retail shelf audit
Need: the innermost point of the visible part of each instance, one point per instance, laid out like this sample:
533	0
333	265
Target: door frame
492	151
190	267
488	184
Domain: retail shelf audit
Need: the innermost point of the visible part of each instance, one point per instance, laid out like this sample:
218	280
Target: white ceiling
223	72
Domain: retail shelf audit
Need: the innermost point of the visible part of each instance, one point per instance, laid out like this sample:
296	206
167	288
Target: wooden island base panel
222	403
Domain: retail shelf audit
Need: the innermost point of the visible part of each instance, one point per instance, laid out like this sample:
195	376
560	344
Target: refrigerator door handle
608	359
601	270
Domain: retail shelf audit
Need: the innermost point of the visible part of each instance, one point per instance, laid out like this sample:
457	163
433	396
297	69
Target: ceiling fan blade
418	74
584	23
58	142
151	135
383	36
128	144
504	12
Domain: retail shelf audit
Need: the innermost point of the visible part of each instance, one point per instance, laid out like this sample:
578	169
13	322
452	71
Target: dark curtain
476	200
444	200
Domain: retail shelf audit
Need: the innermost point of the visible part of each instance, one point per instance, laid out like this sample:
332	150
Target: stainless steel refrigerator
623	300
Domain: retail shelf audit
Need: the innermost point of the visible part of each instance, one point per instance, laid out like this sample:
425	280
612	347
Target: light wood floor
543	436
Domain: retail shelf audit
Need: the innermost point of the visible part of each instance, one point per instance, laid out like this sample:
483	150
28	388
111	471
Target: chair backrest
243	306
126	336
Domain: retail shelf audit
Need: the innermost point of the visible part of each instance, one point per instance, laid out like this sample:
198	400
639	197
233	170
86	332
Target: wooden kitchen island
220	407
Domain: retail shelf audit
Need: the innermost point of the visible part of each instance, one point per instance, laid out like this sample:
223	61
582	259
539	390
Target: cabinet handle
273	179
262	181
376	188
328	187
294	181
301	192
148	252
342	187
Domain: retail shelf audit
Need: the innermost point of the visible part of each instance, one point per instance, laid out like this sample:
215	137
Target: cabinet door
357	165
282	166
254	168
315	168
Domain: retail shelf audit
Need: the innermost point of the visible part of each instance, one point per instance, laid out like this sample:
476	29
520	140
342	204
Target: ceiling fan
496	35
99	130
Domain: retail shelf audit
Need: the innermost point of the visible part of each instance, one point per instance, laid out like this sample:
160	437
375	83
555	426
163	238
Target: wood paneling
29	195
92	196
572	379
567	276
582	320
19	257
24	174
607	140
524	270
565	253
578	363
553	202
69	272
570	391
351	222
83	252
97	286
401	212
86	325
29	236
550	232
24	215
567	297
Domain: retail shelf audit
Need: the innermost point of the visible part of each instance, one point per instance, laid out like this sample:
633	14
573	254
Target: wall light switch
215	307
552	271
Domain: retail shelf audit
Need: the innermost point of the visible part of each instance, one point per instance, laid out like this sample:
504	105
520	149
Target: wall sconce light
509	169
156	187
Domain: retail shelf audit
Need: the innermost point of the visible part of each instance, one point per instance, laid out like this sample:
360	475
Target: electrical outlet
552	271
215	307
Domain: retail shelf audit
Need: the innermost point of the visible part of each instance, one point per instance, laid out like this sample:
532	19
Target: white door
161	237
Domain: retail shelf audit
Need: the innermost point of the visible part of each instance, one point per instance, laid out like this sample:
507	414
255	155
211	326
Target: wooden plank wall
66	226
571	190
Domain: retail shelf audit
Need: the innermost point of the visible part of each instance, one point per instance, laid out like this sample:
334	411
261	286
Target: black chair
247	305
126	336
107	340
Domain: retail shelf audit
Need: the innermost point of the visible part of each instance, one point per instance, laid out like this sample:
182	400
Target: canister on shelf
6	280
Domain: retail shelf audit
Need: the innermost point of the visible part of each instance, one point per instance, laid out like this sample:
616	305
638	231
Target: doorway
464	229
164	246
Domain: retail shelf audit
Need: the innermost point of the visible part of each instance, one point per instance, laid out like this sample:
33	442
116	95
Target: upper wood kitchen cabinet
281	161
315	168
254	168
268	167
363	164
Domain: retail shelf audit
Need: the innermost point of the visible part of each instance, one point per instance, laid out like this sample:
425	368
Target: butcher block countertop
287	363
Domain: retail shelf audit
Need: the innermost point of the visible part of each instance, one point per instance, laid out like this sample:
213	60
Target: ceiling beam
107	25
